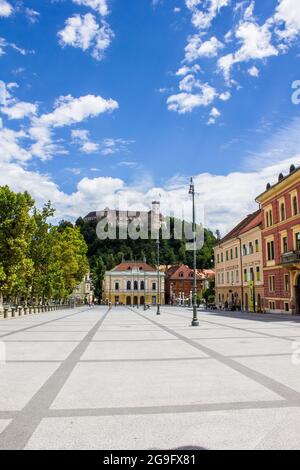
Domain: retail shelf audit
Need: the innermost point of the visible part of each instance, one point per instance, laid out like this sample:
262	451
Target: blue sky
106	99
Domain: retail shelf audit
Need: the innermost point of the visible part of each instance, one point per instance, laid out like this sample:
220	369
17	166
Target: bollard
13	312
25	310
20	311
5	312
30	310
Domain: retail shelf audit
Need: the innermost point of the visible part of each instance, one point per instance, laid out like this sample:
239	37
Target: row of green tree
38	261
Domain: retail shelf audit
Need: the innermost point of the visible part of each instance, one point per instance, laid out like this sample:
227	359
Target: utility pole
195	321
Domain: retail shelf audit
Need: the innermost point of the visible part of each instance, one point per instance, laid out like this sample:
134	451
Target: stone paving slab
26	351
140	350
250	346
20	381
155	384
242	429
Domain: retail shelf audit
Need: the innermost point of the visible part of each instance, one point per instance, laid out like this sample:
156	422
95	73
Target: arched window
135	285
295	205
142	285
267	219
128	285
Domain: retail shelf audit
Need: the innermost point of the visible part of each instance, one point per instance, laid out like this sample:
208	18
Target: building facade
133	284
83	294
180	283
239	263
281	243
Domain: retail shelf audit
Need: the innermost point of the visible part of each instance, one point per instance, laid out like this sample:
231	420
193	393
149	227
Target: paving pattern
94	378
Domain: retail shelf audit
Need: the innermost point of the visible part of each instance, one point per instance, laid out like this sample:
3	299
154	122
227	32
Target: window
286	307
231	253
232	273
153	285
287	282
226	255
128	285
227	277
245	275
250	248
271	305
295	205
236	252
269	218
251	274
218	258
135	285
222	278
285	244
282	212
117	286
244	250
298	241
218	278
237	276
271	283
221	257
142	285
270	250
256	246
257	273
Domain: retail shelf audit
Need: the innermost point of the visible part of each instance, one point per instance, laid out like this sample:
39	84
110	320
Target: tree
16	229
97	274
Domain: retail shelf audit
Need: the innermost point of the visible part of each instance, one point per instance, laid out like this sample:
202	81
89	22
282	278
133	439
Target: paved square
93	378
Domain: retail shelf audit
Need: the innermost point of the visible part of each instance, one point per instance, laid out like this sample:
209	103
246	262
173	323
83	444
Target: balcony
290	258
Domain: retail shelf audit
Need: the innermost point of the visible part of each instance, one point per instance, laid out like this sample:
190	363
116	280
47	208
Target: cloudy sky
103	101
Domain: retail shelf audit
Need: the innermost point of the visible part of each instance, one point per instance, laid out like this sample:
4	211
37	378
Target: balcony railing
291	257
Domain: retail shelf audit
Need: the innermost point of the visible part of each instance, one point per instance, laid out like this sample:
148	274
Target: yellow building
239	266
133	284
84	292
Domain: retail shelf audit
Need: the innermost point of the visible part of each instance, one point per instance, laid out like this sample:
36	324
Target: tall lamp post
158	279
195	321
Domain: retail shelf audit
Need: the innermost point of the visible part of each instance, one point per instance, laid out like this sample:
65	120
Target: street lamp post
195	321
158	279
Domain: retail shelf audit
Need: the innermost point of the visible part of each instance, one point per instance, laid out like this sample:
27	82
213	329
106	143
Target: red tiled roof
128	266
239	227
254	222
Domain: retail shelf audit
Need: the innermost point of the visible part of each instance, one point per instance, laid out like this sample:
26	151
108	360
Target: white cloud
5	8
288	14
197	48
69	110
203	19
253	71
256	44
213	116
185	70
20	110
85	33
81	137
225	96
98	5
233	196
11	147
32	15
185	102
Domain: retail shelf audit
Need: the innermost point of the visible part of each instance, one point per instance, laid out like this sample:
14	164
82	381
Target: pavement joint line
163	409
267	335
172	409
18	432
39	324
59	361
273	385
